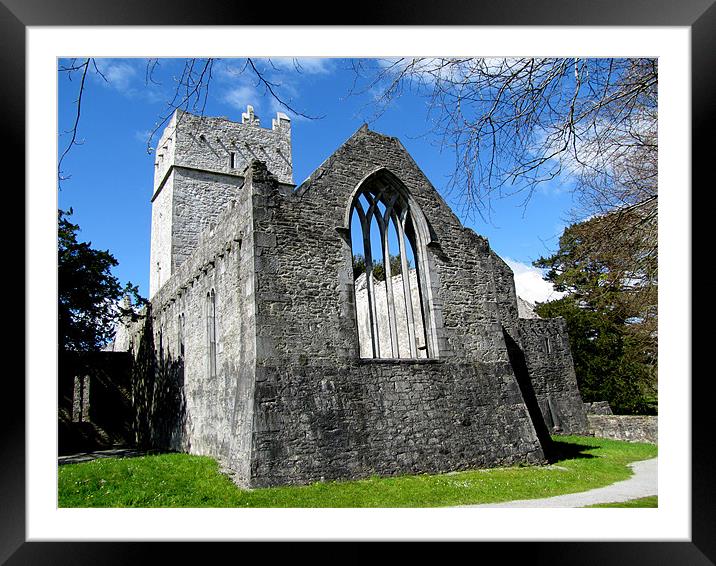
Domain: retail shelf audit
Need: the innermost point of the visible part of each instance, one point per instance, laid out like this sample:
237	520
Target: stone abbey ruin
345	327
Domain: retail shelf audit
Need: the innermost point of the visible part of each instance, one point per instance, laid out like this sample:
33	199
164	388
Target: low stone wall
632	428
94	401
598	408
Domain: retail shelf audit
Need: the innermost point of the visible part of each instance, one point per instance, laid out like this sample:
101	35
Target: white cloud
142	135
266	106
240	96
119	74
127	77
307	65
529	283
244	87
457	70
289	68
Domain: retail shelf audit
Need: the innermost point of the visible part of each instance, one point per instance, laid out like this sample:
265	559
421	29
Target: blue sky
110	174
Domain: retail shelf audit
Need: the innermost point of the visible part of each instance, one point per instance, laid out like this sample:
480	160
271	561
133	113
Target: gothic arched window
389	271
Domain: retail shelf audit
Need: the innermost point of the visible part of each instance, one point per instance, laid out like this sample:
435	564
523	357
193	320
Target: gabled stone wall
322	412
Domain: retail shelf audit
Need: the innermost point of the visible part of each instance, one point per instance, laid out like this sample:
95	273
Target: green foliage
182	480
607	360
88	294
610	314
378	269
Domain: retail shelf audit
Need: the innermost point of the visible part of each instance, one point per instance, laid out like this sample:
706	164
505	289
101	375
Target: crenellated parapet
222	146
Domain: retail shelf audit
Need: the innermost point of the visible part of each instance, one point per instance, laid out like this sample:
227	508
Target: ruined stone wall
217	407
320	411
94	403
376	417
632	428
506	296
382	316
598	408
292	401
545	346
542	346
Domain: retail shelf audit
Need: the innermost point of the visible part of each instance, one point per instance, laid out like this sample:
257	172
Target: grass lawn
651	501
182	480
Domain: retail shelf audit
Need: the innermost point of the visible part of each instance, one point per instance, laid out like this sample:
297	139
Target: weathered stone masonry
545	346
292	401
198	172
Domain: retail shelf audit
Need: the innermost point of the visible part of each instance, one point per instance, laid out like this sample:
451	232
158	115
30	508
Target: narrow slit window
180	335
211	331
232	160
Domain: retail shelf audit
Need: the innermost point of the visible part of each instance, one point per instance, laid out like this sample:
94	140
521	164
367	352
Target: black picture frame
698	15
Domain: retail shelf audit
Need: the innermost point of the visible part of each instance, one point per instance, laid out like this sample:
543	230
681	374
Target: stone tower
198	171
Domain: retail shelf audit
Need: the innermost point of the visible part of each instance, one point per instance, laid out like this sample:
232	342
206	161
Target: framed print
36	34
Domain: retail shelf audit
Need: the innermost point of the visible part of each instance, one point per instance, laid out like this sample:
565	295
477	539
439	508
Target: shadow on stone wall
158	396
519	365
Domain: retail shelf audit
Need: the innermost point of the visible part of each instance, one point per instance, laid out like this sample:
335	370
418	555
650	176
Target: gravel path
642	484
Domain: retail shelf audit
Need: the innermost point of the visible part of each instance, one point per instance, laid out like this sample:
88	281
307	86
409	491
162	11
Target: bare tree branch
78	103
270	86
190	91
516	123
190	94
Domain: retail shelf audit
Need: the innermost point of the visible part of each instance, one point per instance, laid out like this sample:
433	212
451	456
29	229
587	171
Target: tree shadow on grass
569	451
117	453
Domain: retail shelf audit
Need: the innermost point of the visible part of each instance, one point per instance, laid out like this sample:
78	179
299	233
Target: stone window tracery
390	287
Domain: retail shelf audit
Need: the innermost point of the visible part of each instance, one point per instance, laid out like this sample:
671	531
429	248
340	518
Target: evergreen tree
88	294
610	310
396	267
